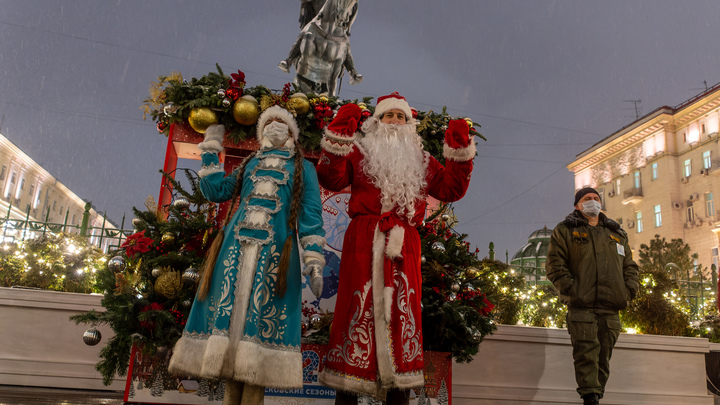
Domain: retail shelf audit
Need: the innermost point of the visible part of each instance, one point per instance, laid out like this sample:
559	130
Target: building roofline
641	121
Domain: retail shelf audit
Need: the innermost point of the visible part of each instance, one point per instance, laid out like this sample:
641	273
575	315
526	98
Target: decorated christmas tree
150	283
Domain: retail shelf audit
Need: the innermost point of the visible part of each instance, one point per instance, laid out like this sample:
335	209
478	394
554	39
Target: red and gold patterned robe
376	337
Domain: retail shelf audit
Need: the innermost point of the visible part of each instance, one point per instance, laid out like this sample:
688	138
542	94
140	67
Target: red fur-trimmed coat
376	338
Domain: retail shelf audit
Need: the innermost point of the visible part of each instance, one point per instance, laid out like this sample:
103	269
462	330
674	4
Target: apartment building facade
29	191
660	175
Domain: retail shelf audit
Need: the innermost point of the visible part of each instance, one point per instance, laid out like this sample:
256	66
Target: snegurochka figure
376	346
244	325
590	263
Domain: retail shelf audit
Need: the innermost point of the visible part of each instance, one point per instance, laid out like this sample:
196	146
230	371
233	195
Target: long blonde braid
297	194
211	256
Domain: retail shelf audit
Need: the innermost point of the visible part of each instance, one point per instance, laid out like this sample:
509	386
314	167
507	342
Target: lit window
687	168
658	217
709	205
690	211
654	171
637	179
638	222
617	187
707	161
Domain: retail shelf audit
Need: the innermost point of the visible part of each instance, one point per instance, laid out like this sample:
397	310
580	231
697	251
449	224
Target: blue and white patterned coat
242	330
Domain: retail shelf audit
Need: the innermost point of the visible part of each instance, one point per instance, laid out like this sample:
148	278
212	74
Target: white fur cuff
209	169
309	240
460	154
210	146
311	256
395	239
336	148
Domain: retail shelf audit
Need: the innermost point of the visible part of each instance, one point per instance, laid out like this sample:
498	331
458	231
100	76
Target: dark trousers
593	337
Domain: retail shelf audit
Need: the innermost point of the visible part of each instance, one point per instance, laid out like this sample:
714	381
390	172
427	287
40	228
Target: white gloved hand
212	142
316	279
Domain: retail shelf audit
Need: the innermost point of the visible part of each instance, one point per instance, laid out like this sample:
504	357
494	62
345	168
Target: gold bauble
299	103
201	118
323	99
169	284
471	272
168	237
469	122
246	110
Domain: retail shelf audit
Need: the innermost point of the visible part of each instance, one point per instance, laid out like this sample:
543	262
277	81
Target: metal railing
633	192
104	238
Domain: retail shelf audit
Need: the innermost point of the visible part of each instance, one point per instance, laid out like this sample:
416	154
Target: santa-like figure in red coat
376	346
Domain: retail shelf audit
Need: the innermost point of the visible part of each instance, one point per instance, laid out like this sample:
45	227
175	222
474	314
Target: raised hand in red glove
457	135
346	120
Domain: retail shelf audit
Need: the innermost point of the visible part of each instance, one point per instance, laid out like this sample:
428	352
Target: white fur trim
306	241
460	154
256	217
316	284
215	351
273	161
311	255
187	356
351	385
211	146
336	148
214	132
268	367
281	113
265	188
210	169
387	295
395	239
382	343
392	103
343	140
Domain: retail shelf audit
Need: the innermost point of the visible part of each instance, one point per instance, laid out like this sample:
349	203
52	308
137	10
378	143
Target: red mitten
457	135
346	120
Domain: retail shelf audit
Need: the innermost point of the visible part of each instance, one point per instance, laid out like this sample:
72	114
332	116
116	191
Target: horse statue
322	51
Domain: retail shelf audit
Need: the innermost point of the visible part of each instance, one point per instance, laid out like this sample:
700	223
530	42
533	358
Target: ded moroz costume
244	328
376	337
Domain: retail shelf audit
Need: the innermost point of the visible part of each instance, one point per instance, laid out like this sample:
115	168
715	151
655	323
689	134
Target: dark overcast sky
544	79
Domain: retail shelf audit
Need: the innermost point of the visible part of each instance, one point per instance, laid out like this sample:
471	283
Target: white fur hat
393	101
281	114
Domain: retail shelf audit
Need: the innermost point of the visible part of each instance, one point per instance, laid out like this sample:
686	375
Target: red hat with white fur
393	101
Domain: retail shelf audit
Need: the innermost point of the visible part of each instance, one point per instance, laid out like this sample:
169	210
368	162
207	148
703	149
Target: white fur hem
388	294
336	148
395	239
351	384
187	356
381	309
268	367
214	356
460	154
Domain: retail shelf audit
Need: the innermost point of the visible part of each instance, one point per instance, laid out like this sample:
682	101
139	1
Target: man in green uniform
590	263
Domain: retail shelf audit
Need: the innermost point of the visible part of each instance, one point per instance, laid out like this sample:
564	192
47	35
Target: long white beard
395	163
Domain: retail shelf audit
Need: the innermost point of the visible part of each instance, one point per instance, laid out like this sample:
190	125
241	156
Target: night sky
544	79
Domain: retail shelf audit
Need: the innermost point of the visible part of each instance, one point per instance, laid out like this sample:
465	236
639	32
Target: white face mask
591	208
276	132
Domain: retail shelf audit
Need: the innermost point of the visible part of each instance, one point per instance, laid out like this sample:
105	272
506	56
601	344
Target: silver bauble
314	319
169	109
156	272
91	337
226	102
187	303
445	217
181	203
116	264
438	246
137	222
190	276
455	287
221	92
423	260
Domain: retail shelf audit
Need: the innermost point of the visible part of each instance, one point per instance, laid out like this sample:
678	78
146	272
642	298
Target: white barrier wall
40	346
527	365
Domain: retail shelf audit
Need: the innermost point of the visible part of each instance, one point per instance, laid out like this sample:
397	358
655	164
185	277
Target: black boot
591	399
